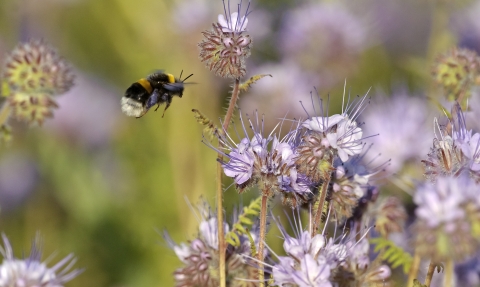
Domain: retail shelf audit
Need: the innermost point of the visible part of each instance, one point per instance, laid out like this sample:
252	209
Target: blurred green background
101	185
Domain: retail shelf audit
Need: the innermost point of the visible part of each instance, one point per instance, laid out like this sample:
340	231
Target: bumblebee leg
166	107
158	106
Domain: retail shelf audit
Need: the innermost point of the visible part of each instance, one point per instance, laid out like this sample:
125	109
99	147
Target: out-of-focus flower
18	177
447	218
456	72
200	256
467	26
35	73
188	15
89	114
268	163
324	38
288	86
225	48
390	216
31	272
398	120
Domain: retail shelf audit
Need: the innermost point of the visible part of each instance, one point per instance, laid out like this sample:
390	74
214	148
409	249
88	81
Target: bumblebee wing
174	87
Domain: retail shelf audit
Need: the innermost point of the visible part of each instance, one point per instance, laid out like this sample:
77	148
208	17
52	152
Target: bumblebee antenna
181	74
187	78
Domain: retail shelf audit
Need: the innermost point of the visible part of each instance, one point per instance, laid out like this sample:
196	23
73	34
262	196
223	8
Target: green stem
431	270
261	243
4	113
449	273
412	274
222	246
321	199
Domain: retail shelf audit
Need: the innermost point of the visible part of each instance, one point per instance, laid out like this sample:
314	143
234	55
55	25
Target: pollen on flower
225	48
35	73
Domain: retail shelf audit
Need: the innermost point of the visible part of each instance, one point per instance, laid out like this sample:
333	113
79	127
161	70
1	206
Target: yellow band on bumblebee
171	78
146	85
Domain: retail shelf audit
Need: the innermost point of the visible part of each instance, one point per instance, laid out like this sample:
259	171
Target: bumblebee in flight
156	89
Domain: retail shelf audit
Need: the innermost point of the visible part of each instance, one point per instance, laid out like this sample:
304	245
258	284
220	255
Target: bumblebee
156	89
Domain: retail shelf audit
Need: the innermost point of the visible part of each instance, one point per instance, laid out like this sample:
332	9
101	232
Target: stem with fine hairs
431	270
261	243
219	190
321	199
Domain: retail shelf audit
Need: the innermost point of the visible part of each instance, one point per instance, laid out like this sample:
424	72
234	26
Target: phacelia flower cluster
34	74
325	261
268	162
201	260
225	48
294	166
31	272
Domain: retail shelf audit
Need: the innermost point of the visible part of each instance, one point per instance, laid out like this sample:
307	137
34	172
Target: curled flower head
325	138
225	48
31	272
35	73
447	215
200	255
268	162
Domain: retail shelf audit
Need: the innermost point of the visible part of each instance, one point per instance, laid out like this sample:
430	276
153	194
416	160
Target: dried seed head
34	73
225	48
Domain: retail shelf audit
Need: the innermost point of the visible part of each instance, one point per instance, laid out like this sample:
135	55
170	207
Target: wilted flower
31	272
225	48
201	259
447	218
35	73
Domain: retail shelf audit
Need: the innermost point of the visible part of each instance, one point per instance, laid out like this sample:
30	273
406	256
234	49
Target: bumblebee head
175	86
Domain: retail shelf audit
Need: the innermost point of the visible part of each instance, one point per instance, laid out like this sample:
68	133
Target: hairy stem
413	269
449	273
431	270
321	198
4	113
222	246
261	243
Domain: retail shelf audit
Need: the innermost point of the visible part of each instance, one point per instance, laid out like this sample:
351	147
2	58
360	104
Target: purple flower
31	272
268	162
